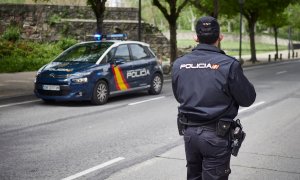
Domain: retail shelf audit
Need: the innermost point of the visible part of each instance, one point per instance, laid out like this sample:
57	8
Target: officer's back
209	86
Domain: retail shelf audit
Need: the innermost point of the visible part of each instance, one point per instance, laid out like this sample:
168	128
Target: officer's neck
216	44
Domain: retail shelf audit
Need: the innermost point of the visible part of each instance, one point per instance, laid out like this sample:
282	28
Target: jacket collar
207	47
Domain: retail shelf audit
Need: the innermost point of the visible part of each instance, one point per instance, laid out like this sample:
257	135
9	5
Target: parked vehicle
96	70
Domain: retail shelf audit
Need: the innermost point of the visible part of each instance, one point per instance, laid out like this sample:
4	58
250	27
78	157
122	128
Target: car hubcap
101	92
157	83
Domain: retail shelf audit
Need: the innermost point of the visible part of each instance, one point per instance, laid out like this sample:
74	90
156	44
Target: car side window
109	56
138	52
122	52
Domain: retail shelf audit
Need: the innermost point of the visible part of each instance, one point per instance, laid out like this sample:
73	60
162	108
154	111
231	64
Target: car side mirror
119	61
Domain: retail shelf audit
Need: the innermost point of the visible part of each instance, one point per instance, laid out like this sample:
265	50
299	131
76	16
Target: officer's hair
208	38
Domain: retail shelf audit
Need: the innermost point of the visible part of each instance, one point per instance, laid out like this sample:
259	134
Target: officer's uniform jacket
207	83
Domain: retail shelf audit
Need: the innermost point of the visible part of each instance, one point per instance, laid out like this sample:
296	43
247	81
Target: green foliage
65	43
12	1
189	15
29	56
205	6
275	16
54	19
151	14
284	33
293	12
12	33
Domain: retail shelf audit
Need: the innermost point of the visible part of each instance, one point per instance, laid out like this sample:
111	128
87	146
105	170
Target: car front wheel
100	93
156	84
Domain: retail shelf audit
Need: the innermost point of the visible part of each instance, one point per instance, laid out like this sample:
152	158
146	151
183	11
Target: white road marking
281	72
139	102
18	81
95	168
168	80
14	104
253	106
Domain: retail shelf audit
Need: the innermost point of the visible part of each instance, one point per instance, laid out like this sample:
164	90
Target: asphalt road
56	141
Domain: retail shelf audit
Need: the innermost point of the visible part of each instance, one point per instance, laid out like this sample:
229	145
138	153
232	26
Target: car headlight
38	73
82	74
40	70
80	80
80	77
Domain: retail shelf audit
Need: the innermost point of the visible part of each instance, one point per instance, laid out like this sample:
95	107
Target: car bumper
66	92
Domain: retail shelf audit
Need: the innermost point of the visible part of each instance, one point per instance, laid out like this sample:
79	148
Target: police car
97	70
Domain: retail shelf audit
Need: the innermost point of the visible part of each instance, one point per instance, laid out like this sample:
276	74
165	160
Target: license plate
51	87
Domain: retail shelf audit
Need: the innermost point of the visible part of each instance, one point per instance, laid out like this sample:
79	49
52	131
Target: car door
121	65
141	65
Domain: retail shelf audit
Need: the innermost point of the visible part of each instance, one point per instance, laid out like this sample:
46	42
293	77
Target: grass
232	47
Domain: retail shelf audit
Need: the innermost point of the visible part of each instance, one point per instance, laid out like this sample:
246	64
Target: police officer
209	86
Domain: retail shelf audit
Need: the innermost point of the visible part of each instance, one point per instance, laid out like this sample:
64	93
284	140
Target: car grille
53	93
61	76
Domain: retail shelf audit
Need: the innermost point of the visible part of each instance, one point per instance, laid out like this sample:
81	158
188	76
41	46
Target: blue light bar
113	36
97	37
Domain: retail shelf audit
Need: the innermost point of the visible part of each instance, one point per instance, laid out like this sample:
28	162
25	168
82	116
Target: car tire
100	93
156	84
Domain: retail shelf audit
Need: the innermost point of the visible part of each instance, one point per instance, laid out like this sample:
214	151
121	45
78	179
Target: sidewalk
167	166
16	84
172	166
270	57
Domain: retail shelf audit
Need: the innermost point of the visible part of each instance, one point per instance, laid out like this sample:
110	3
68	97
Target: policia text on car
209	87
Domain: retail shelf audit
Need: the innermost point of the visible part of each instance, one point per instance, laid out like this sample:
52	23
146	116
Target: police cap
208	30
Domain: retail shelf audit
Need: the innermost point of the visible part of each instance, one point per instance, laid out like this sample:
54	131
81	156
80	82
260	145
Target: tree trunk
99	10
173	42
171	18
192	20
100	25
276	42
216	9
251	25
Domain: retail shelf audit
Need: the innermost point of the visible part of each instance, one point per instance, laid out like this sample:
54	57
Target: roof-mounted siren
121	37
99	37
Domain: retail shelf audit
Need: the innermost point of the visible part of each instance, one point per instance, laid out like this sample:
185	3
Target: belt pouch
223	127
181	123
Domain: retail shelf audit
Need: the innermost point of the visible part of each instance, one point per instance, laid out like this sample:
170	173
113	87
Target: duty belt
194	121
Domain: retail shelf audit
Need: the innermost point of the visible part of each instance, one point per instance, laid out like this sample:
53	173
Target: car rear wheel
156	84
100	94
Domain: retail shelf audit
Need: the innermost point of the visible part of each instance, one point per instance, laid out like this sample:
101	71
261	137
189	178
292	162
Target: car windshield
87	52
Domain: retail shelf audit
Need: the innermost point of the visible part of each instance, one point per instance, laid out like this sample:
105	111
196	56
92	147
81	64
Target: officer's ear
221	36
196	39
